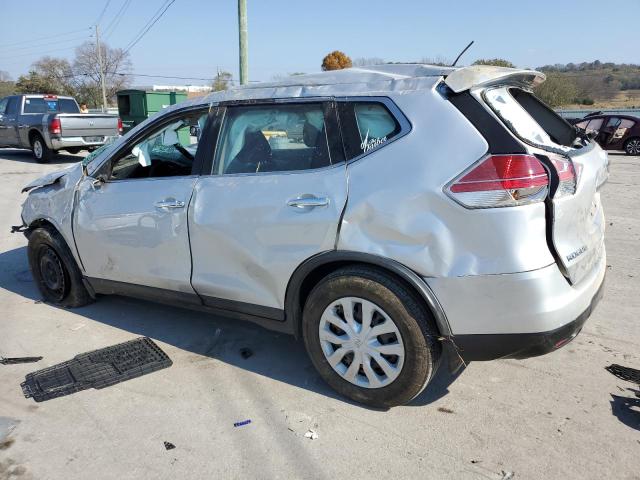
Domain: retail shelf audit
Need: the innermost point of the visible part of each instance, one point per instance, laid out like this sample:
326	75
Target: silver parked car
390	217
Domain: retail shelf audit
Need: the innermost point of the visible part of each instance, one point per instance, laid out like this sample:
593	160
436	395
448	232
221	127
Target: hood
484	75
52	178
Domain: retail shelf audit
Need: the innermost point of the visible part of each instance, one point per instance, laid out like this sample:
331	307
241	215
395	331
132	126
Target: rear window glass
48	105
529	118
367	125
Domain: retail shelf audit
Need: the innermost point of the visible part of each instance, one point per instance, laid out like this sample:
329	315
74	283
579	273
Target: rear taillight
568	174
120	126
54	126
501	181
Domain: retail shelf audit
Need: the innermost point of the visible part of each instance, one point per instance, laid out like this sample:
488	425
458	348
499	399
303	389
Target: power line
45	37
153	22
40	52
116	20
106	5
37	46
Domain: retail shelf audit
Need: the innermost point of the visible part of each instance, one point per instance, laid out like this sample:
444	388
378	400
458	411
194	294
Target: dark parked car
614	132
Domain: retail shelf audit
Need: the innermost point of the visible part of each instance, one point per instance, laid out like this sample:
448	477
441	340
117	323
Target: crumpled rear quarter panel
397	207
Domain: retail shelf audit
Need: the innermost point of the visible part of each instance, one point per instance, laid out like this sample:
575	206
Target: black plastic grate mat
624	373
98	369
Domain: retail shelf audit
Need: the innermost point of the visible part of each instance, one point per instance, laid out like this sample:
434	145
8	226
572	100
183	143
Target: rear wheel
632	147
41	152
369	338
54	269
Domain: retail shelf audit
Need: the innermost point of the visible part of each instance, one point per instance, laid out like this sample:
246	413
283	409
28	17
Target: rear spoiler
485	75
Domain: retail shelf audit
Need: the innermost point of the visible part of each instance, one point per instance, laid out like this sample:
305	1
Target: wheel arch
33	133
312	270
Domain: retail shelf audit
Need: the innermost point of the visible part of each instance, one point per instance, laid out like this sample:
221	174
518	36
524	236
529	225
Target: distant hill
598	84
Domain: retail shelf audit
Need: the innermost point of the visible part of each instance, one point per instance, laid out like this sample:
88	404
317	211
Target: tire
632	146
372	290
54	269
41	152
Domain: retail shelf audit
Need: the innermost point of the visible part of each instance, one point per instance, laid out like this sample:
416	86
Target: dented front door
135	231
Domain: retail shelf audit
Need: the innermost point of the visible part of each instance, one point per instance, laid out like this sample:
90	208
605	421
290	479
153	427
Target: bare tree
57	72
86	67
7	85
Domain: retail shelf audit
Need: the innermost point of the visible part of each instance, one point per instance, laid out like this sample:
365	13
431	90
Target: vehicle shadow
25	156
627	409
274	355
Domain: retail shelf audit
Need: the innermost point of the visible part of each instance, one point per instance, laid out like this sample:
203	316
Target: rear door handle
170	204
308	201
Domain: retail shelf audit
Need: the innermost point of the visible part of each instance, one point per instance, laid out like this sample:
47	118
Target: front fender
51	199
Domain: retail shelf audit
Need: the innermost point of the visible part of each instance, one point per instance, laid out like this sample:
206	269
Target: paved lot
558	416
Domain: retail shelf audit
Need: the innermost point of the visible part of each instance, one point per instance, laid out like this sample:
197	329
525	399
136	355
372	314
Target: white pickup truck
48	123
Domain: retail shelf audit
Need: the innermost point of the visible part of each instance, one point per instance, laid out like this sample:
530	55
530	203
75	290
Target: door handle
308	201
170	204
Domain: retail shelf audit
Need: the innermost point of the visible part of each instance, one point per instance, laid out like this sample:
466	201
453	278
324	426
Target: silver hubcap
37	149
633	147
361	342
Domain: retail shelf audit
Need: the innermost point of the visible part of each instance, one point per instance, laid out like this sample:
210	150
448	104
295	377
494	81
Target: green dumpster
135	106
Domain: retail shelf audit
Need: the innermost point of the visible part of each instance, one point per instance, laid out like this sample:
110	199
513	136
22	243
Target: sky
196	37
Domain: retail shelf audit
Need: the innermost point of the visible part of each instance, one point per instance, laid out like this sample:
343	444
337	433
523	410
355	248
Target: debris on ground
169	446
97	369
246	353
241	424
445	410
14	360
624	373
507	475
312	434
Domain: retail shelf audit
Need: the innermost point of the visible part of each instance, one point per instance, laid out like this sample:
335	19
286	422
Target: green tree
7	85
557	90
221	81
496	62
48	75
336	60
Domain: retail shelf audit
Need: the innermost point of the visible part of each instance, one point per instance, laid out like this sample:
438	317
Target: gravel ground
558	416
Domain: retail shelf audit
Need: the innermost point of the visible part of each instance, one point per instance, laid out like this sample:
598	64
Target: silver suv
390	217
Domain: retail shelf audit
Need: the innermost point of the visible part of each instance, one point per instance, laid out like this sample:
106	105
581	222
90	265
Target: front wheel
54	269
369	337
632	147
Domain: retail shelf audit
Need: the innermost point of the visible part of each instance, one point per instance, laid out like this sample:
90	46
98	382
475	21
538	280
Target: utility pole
242	30
99	51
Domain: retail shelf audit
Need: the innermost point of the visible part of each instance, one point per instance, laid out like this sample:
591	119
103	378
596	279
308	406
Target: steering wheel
183	151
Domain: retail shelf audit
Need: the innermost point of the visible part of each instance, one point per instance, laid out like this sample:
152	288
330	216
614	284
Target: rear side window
3	105
366	126
35	105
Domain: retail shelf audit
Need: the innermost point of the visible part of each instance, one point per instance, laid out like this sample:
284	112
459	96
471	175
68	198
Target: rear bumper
523	345
61	143
517	315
